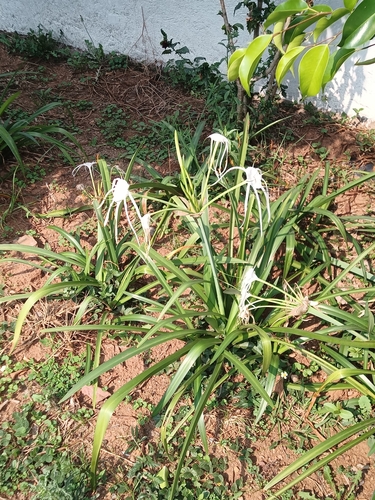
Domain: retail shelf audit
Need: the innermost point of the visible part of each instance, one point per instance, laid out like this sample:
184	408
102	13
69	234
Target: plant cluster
245	308
21	130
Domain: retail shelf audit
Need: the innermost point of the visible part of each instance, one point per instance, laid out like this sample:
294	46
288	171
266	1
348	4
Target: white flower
121	192
221	143
254	180
145	223
248	279
89	165
284	375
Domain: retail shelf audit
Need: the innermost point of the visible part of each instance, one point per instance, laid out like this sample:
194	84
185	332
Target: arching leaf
251	58
360	26
325	22
311	70
286	63
285	10
234	64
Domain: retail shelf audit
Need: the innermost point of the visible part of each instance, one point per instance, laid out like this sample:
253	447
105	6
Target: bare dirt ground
299	145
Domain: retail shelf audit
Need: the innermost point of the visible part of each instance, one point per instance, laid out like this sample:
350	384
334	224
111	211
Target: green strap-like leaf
285	10
360	26
286	63
251	58
311	70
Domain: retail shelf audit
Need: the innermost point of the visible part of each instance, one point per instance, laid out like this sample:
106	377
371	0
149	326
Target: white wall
133	27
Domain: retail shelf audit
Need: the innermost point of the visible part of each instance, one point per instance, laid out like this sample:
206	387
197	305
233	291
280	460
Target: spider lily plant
247	307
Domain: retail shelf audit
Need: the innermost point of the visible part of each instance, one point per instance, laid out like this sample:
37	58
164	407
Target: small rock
26	239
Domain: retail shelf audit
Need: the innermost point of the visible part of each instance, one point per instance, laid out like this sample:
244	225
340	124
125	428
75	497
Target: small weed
31	176
366	141
40	44
113	124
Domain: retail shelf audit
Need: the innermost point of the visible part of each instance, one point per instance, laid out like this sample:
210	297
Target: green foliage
298	27
237	308
39	44
202	80
21	131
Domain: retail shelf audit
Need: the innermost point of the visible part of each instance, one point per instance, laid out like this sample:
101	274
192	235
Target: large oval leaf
324	23
286	63
311	70
285	10
234	63
251	58
360	26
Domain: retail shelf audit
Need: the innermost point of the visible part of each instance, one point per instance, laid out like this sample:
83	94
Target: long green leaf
359	28
311	70
117	397
321	448
285	10
251	58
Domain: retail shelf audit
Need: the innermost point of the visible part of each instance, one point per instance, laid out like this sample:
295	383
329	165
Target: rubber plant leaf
286	63
359	28
234	64
285	10
350	4
365	63
300	23
312	69
335	61
325	22
278	35
251	59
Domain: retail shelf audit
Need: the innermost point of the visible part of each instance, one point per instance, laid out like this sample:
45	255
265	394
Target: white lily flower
89	165
121	192
254	180
248	279
221	143
145	223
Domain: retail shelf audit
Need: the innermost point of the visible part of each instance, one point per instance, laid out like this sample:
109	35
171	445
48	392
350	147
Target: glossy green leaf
296	42
360	26
365	63
335	61
350	4
234	64
285	10
311	70
286	63
325	22
278	35
300	23
251	59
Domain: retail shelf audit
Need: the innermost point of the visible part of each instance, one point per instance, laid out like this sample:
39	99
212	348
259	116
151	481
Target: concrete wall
133	27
